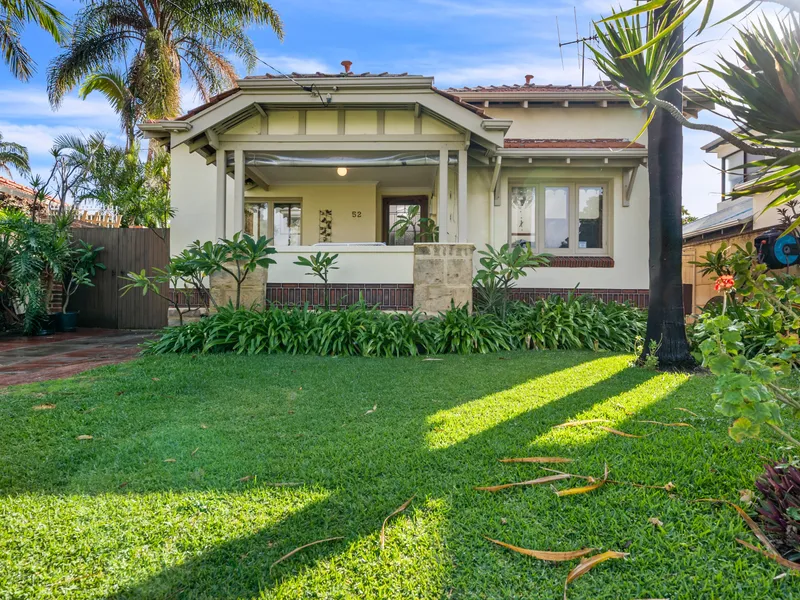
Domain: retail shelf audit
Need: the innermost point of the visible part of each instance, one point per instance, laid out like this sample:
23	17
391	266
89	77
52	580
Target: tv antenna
580	46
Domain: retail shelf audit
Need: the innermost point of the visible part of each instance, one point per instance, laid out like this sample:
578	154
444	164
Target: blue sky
459	42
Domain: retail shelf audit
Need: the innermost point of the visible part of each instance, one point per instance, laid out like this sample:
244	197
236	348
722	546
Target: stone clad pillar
254	289
442	273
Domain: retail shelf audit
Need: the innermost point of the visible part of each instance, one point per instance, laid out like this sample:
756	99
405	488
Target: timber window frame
262	222
536	190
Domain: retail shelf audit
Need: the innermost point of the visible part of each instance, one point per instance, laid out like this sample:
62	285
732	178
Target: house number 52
356	214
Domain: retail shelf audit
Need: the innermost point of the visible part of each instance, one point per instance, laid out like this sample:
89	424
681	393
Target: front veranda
349	204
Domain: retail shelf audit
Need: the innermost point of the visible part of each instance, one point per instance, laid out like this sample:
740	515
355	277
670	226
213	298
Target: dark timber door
395	207
124	250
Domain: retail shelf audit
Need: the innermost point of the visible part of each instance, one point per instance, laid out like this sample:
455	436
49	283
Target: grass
110	518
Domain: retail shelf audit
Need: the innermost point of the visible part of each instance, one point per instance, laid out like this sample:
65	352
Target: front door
397	209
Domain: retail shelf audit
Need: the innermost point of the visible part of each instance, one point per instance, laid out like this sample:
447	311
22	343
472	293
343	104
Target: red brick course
386	296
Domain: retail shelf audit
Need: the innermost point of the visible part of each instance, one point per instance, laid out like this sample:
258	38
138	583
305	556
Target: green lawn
111	518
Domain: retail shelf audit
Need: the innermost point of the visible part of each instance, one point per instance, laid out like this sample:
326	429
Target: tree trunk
666	324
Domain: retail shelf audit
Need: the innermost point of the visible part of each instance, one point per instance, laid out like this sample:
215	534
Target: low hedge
553	323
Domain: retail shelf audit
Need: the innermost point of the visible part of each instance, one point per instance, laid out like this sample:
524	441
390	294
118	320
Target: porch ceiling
384	176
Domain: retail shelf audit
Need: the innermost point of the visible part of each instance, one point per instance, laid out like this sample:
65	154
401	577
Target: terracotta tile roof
319	75
13	186
600	143
21	196
532	87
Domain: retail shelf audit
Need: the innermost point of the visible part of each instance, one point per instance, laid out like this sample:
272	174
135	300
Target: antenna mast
581	50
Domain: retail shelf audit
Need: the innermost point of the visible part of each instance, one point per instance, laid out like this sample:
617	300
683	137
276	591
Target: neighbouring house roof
600	143
534	87
21	196
732	213
211	102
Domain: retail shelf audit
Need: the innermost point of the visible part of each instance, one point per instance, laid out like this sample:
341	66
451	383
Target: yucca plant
779	507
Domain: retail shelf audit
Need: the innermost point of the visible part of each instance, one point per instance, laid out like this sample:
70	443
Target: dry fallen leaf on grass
296	550
84	437
589	563
203	426
372	410
544	554
195	451
669	487
44	406
583	422
618	432
750	523
541	480
246	478
668	424
170	460
686	410
123	484
536	459
655	521
586	488
431	359
784	562
400	509
746	496
156	378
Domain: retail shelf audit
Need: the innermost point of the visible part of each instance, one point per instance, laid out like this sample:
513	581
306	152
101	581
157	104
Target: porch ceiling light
341	171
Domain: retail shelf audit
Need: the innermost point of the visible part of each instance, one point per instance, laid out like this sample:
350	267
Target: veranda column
463	218
442	217
238	191
221	187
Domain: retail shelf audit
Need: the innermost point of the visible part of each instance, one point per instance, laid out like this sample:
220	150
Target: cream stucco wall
353	206
391	264
574	122
194	199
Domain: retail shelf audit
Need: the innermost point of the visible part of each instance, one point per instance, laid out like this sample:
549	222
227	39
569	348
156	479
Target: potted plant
82	267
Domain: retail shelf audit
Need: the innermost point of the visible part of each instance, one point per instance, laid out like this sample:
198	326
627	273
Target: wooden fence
124	250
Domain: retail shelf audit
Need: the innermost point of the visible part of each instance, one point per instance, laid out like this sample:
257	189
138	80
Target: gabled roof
600	143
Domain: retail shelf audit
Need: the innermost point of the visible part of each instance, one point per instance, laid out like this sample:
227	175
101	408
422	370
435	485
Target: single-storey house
329	162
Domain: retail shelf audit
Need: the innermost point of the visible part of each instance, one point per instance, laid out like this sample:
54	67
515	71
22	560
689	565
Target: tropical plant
173	276
501	269
13	155
645	60
122	99
82	267
14	14
758	89
576	322
243	254
159	42
779	507
36	256
686	216
423	229
320	264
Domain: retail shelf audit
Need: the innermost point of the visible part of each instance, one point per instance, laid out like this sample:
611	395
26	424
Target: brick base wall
639	298
386	296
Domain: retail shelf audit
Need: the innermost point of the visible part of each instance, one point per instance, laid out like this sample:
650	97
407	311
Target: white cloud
32	103
483	70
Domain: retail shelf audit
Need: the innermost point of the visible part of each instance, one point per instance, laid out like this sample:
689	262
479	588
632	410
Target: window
572	217
396	208
276	219
735	171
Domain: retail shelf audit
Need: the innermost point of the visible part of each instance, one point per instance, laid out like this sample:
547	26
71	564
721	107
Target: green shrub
362	331
577	322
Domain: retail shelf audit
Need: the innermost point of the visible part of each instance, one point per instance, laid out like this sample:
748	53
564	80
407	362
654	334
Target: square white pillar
238	191
222	180
463	216
442	217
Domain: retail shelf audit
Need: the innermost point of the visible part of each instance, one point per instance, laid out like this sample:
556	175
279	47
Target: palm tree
122	99
14	155
160	41
14	14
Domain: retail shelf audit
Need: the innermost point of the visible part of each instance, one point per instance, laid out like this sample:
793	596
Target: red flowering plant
756	385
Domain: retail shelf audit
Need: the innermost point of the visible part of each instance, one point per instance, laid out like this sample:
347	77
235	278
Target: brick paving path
30	359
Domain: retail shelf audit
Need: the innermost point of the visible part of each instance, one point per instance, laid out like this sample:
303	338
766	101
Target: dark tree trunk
666	319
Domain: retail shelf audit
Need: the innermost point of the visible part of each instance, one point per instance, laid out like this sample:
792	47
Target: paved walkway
30	359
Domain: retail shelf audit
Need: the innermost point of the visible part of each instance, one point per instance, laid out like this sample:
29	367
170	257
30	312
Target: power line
311	89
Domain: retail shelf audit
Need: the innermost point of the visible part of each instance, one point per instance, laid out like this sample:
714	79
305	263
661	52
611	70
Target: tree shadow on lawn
367	477
438	430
